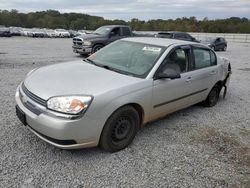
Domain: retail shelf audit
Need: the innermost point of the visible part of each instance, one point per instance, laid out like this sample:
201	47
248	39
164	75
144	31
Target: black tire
212	97
120	129
96	48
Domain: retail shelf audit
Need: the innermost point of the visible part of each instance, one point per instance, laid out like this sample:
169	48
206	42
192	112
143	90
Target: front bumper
82	49
60	132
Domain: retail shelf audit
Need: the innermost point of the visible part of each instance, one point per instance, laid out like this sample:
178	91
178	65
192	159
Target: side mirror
111	34
169	73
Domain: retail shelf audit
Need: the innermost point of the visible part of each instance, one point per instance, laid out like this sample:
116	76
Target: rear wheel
120	129
212	97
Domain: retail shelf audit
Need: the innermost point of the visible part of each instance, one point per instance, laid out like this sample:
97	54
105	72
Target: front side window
116	31
177	60
202	58
132	58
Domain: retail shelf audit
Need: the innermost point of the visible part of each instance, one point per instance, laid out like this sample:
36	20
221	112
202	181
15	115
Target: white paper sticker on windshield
151	49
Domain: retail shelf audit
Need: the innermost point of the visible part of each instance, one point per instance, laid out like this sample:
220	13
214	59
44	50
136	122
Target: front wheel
212	97
120	129
96	48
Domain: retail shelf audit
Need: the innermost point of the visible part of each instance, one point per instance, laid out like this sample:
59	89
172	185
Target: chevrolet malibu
106	98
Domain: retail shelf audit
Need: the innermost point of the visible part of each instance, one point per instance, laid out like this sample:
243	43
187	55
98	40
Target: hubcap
121	129
98	48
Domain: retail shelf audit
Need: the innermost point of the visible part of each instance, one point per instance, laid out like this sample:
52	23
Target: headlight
69	104
86	43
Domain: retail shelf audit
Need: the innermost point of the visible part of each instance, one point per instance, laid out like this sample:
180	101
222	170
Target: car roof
171	32
159	41
115	26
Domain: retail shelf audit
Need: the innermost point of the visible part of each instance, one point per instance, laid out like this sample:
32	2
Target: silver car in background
105	99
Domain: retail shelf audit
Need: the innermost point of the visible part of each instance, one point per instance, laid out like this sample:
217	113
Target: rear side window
202	58
126	31
180	35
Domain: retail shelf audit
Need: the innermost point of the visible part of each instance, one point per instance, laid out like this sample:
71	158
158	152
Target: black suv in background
176	35
90	43
217	43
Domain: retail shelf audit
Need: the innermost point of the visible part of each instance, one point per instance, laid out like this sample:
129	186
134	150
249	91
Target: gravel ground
195	147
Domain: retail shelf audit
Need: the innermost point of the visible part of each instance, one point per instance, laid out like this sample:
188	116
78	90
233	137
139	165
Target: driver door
170	95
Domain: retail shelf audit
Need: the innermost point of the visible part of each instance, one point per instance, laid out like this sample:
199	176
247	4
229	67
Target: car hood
75	78
90	36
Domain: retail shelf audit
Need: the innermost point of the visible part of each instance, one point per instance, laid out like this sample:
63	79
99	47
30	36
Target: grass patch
226	144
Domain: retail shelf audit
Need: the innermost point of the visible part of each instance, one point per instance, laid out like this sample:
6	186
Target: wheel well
98	44
140	111
138	108
220	84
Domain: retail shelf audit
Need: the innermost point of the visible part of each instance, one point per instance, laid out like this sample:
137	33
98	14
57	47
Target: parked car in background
83	32
176	35
50	33
73	33
24	31
5	32
36	32
16	31
106	98
217	43
62	33
91	43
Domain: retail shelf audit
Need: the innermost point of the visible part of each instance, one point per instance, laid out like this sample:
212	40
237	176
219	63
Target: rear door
198	76
204	71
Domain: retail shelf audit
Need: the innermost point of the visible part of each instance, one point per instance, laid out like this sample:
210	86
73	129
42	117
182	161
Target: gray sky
142	9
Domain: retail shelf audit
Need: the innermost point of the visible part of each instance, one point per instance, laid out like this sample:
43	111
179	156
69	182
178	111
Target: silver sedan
105	99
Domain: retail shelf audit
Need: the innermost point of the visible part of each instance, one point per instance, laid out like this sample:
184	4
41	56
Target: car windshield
131	58
102	31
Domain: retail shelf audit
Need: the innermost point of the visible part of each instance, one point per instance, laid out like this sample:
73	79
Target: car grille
33	96
77	41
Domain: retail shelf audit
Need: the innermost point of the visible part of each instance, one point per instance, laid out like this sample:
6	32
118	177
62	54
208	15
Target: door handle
189	79
213	72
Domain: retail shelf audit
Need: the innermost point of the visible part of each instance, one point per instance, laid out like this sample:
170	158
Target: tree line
54	19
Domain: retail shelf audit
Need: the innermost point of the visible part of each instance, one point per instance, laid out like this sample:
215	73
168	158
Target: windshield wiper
115	70
106	67
90	61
